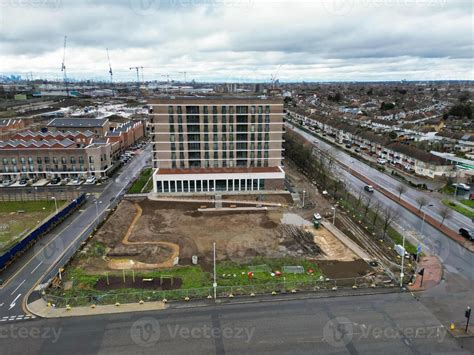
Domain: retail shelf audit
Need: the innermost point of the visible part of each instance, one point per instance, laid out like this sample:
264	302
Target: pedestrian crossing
16	318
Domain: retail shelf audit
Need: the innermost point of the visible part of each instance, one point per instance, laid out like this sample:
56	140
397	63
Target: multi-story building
217	144
51	154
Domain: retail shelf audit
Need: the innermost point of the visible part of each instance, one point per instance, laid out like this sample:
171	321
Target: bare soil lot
150	234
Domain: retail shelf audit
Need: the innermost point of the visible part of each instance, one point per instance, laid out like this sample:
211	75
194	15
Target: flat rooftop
217	99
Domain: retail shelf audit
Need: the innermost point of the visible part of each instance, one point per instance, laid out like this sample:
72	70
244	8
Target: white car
6	182
91	180
381	161
76	181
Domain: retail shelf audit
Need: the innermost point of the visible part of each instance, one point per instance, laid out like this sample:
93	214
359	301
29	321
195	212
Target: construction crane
167	77
110	66
137	69
63	67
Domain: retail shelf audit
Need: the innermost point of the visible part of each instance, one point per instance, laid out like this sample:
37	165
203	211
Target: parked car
7	182
56	180
381	161
23	182
357	150
91	180
462	186
466	233
76	181
369	188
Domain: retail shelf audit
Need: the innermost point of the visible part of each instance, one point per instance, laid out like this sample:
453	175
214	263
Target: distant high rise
217	144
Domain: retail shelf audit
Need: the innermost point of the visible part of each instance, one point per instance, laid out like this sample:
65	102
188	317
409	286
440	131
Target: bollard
140	302
164	300
231	295
117	304
252	294
186	298
93	306
293	291
452	326
274	293
209	297
68	307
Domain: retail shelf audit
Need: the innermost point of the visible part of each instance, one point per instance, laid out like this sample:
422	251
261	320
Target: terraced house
210	144
51	154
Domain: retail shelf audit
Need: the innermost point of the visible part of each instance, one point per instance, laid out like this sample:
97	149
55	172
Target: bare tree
389	216
401	189
359	200
367	205
422	201
445	212
376	209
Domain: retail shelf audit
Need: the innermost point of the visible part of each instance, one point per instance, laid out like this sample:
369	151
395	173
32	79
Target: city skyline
235	41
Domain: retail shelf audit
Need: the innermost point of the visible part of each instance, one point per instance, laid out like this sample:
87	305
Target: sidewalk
41	309
433	273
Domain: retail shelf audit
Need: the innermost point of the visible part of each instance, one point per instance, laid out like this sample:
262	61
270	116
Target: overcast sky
240	40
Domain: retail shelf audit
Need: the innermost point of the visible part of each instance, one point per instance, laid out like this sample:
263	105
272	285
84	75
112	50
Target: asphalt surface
456	291
43	257
393	324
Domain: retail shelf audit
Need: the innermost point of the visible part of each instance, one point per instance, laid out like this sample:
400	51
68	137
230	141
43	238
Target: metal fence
283	287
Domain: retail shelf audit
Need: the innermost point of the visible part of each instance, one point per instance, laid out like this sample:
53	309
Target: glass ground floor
209	185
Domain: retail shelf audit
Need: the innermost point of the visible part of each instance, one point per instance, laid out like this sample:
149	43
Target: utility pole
467	314
304	193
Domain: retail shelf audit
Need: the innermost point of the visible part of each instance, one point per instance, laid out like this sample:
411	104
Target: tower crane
110	66
183	72
63	67
137	69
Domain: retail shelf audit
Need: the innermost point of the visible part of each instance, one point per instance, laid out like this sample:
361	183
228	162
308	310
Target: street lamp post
333	215
214	285
304	193
424	215
403	260
55	203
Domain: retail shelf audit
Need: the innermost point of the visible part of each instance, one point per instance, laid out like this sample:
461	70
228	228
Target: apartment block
203	144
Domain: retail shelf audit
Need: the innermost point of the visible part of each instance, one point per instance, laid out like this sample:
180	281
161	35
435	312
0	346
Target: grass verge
459	208
140	182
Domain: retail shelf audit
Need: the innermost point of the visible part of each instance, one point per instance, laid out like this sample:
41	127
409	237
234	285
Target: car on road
467	233
357	150
91	180
23	182
381	161
56	180
369	188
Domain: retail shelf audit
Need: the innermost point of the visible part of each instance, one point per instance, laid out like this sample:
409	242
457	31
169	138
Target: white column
258	184
227	184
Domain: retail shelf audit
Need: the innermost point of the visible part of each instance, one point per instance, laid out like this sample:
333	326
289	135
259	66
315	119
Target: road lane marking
18	287
13	304
37	266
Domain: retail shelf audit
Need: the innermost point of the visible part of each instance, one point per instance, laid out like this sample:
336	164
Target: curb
223	301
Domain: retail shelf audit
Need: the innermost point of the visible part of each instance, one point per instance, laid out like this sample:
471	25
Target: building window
30	160
63	160
5	161
170	110
22	160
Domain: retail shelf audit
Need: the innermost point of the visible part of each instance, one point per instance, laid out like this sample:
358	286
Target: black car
56	180
23	181
466	233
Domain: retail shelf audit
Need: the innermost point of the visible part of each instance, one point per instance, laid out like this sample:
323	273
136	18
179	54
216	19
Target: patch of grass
458	208
398	239
468	203
140	182
448	190
148	187
29	206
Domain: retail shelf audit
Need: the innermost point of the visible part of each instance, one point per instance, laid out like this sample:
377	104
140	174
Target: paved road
392	324
456	291
46	253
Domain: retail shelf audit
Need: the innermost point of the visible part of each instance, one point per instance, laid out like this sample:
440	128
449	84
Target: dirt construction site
159	234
